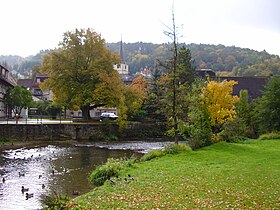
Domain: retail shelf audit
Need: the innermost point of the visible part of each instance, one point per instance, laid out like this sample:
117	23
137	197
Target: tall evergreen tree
180	74
151	104
268	107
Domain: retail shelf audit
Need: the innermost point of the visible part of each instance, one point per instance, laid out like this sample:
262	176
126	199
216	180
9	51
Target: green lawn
222	176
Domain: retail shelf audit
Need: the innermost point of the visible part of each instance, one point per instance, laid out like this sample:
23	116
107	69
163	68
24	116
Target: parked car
108	115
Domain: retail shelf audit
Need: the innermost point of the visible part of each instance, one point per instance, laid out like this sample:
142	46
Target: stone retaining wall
92	132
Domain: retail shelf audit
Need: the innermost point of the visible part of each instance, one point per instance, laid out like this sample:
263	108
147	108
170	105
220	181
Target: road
35	121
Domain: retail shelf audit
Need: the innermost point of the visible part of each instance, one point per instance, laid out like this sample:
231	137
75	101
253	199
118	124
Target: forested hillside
22	65
231	61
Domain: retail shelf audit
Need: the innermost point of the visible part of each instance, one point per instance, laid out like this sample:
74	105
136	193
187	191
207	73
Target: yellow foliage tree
220	102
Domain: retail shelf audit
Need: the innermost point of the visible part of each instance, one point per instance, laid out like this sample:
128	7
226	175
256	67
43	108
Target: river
56	168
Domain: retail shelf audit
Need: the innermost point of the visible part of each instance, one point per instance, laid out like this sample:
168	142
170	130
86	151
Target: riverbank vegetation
223	175
113	167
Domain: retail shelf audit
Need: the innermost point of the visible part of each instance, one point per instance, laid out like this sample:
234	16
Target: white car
108	115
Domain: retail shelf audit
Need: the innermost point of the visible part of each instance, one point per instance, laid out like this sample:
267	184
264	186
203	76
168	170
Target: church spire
121	52
122	68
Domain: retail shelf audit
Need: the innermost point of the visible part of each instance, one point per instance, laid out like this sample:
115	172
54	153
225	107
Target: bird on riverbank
3	180
43	186
23	190
126	180
111	181
40	176
130	177
76	192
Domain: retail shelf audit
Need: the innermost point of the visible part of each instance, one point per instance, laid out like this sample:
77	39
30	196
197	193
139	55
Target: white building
6	81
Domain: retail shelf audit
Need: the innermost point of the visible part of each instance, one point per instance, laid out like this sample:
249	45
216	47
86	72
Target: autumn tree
135	95
18	98
220	102
140	84
81	74
133	101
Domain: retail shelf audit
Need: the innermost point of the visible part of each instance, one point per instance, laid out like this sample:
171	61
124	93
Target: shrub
111	137
153	154
176	148
234	131
215	138
169	149
200	126
111	168
272	135
53	110
4	139
130	162
55	201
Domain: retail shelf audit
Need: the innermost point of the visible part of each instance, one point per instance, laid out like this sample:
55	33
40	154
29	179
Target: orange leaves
219	100
140	85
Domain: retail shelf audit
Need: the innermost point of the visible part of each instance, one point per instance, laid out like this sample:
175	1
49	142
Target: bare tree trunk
175	82
172	33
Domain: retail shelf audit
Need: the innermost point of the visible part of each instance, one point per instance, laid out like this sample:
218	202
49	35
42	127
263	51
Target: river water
56	168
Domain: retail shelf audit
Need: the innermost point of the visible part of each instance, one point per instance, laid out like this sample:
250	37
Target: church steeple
121	52
122	68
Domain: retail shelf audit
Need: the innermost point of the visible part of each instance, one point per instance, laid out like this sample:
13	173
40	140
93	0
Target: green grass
222	176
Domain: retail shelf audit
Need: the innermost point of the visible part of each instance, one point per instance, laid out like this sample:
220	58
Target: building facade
6	82
34	86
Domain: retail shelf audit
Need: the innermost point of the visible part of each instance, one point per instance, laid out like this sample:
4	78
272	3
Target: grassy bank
221	176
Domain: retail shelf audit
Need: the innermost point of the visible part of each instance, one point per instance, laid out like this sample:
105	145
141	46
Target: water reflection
47	169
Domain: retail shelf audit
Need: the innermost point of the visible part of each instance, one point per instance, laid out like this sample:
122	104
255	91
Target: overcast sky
28	26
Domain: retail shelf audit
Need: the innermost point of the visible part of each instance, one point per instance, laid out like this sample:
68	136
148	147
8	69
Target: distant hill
234	61
230	61
23	65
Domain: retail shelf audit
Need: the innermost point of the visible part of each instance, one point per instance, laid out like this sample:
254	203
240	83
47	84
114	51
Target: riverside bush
235	131
4	139
153	154
272	135
55	201
176	148
111	168
169	149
